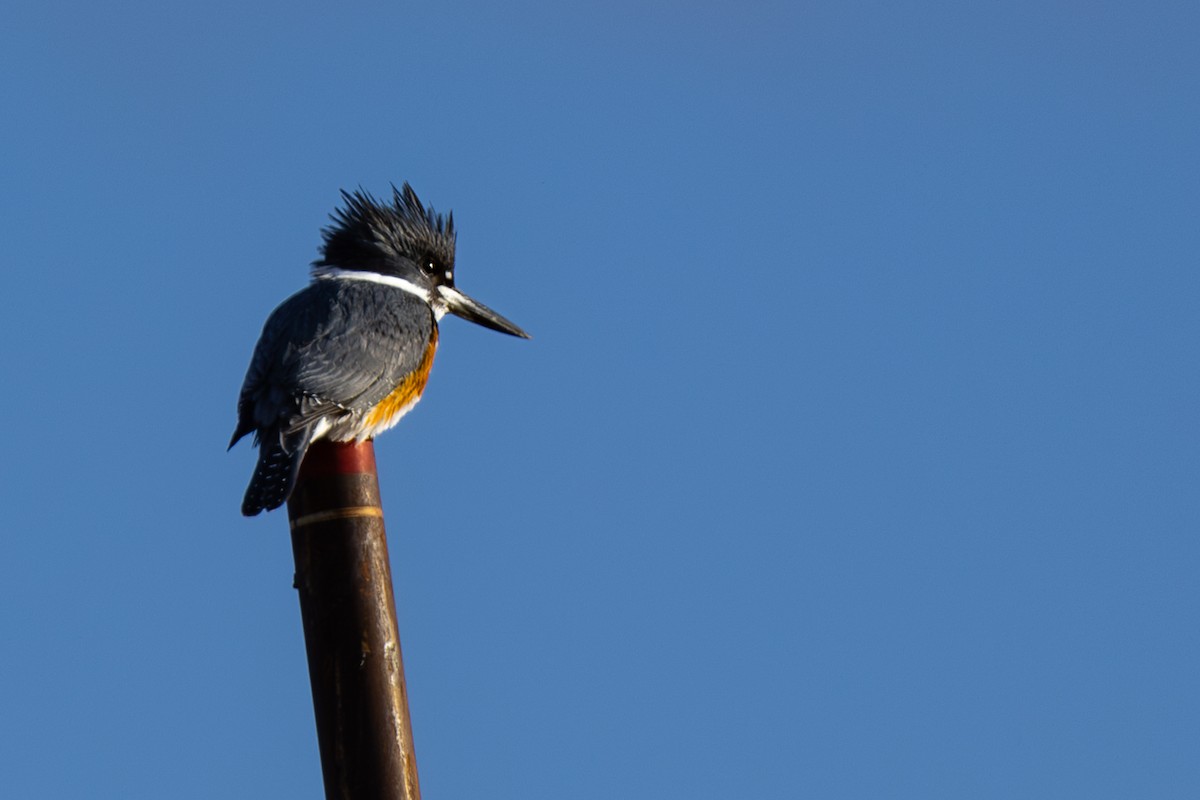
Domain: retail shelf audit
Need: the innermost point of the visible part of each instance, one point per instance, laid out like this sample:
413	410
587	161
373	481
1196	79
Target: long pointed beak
460	305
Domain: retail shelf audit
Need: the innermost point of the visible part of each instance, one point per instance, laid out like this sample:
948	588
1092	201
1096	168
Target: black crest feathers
368	234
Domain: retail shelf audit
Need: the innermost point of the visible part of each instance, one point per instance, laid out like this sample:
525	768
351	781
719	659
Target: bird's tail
279	459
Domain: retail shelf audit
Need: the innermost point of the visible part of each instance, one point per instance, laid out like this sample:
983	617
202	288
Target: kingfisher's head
402	244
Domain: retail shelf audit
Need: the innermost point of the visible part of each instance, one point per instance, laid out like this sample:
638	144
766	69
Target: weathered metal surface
349	613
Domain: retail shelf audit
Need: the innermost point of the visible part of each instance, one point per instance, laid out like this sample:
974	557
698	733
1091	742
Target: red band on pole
326	458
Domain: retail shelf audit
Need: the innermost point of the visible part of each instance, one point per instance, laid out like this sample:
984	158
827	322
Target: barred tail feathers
279	459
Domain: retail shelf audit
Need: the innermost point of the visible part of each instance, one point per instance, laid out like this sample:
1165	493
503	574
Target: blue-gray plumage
349	355
328	355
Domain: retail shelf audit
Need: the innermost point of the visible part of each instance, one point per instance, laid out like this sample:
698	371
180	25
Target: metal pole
349	613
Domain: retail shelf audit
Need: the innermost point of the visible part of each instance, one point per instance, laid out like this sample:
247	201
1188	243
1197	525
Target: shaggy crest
367	234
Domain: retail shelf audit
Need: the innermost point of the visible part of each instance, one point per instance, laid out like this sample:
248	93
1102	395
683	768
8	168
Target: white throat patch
373	277
434	299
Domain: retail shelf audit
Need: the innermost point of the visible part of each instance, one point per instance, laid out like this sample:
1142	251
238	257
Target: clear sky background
855	453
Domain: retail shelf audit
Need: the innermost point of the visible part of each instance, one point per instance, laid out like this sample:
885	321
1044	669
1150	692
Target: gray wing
335	347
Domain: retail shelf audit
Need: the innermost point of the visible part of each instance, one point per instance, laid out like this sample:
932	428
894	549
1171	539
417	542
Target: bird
349	355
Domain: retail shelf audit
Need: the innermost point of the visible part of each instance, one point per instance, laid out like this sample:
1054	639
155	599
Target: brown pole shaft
350	632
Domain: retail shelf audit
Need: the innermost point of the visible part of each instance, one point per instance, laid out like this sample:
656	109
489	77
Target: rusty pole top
350	632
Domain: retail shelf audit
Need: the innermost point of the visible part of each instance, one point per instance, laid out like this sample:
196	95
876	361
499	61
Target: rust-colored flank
404	395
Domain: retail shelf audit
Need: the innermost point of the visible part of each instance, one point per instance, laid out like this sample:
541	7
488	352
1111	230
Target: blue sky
854	455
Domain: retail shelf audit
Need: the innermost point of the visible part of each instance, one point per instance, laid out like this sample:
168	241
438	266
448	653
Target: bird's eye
430	267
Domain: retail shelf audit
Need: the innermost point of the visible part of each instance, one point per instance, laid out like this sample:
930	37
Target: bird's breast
401	399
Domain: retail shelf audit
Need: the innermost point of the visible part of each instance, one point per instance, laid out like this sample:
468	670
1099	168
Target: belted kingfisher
346	357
